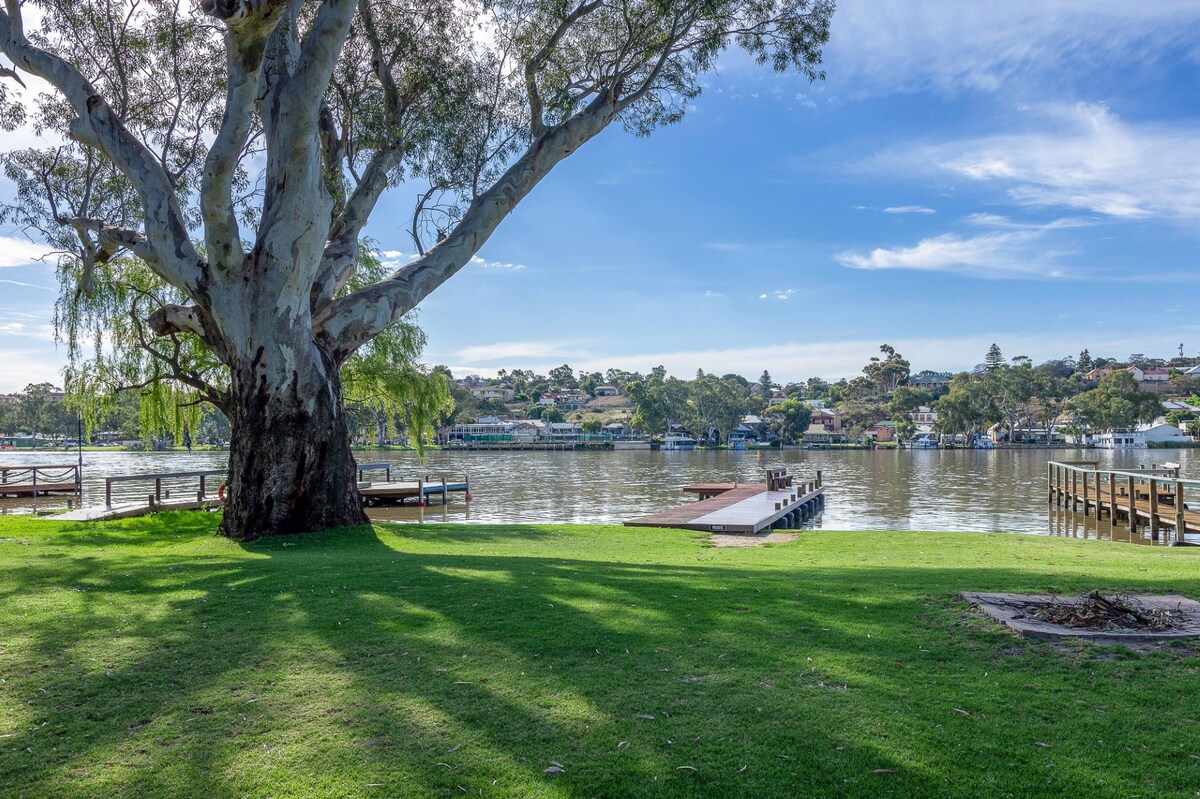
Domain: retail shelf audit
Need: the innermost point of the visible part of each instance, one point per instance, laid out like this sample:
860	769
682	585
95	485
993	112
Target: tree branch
174	257
348	323
537	61
245	39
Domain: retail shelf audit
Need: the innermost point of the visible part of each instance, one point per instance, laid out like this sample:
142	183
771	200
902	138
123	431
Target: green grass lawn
149	658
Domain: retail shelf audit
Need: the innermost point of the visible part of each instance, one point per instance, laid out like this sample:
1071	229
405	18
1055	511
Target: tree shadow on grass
327	664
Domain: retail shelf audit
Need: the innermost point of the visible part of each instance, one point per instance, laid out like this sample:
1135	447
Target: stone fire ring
999	608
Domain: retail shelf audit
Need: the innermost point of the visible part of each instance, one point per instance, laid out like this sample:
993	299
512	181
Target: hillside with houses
1074	401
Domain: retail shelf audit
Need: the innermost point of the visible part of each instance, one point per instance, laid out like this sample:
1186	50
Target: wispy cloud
834	358
480	262
887	45
515	350
1000	221
1081	157
26	285
20	252
710	293
991	255
909	209
42	331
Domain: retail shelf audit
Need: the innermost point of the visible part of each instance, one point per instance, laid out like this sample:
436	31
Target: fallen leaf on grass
686	768
743	768
447	765
462	682
554	768
622	744
454	749
883	771
960	710
1039	743
643	716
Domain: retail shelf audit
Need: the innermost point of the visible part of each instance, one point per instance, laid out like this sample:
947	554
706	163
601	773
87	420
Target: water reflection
1001	491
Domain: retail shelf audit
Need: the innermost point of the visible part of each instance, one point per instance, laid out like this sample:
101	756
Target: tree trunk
290	465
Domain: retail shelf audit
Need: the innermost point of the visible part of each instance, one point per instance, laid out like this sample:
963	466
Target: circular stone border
1000	607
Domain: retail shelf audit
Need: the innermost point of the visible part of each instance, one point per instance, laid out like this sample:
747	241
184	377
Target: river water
946	490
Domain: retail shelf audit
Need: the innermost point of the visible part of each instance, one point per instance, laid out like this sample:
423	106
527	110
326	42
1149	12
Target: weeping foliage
110	350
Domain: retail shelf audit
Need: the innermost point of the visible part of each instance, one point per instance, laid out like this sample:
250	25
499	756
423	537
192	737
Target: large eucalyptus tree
235	149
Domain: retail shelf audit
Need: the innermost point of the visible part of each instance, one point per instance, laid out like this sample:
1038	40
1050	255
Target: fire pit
1095	616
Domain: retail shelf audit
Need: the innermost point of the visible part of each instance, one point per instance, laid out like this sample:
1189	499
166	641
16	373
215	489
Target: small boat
736	445
924	441
676	441
983	443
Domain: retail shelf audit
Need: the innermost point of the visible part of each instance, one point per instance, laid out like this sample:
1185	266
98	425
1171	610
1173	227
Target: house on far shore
1155	375
618	430
607	391
827	419
1096	375
882	431
818	434
930	382
1140	437
1192	372
502	393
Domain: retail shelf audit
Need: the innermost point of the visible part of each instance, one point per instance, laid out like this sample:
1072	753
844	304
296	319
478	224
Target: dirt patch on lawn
1113	618
749	539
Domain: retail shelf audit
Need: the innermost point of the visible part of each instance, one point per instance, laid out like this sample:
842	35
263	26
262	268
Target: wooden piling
1180	520
1112	496
1153	509
1132	505
1085	492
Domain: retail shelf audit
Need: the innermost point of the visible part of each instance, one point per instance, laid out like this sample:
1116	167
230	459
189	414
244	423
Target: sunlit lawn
151	659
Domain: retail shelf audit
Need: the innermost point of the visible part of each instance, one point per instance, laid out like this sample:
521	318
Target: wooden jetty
161	500
733	508
157	502
389	492
40	480
1155	498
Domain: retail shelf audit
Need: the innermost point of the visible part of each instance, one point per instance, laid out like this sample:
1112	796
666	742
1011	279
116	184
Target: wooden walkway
732	508
1155	498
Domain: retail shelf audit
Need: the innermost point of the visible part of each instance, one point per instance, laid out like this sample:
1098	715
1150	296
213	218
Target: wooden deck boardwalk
732	508
1154	498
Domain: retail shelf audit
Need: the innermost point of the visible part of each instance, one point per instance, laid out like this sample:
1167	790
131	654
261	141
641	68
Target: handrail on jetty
157	498
366	467
40	479
1153	495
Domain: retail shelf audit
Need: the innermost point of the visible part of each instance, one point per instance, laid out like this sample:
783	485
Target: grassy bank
150	659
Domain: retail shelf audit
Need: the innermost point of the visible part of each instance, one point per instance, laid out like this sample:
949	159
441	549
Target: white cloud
833	359
480	262
1081	157
1000	221
804	100
22	367
995	255
508	351
890	45
711	293
40	331
26	285
909	209
20	252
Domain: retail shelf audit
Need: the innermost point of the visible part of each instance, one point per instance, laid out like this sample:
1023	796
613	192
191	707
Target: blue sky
1029	175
